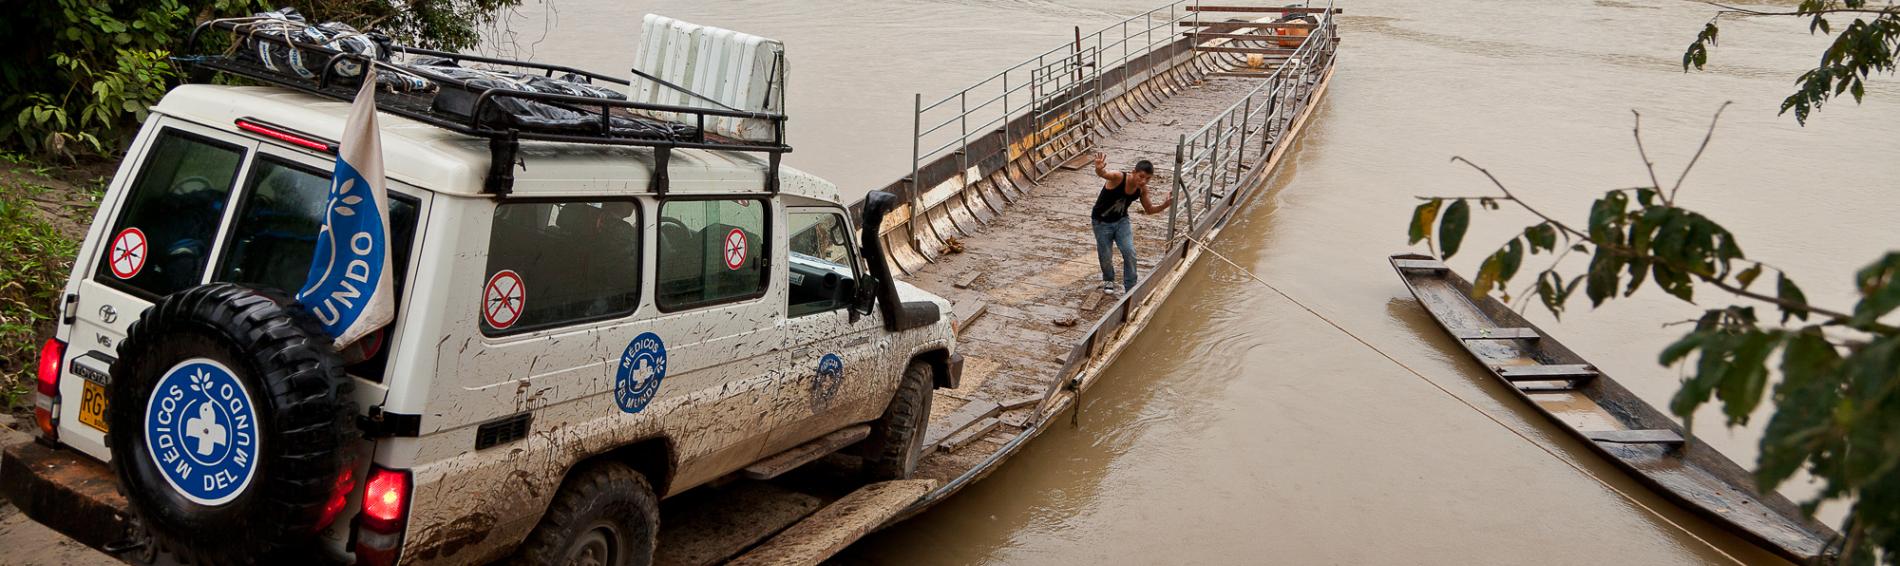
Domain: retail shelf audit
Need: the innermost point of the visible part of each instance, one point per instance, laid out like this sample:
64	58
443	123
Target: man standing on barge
1109	218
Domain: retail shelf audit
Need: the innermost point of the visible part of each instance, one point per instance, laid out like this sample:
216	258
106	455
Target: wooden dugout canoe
1612	421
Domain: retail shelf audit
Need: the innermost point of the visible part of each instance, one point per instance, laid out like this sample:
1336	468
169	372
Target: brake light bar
286	135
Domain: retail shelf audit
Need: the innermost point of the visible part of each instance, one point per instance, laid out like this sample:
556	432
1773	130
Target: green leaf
1542	236
1602	279
1513	256
1422	218
1746	377
1547	294
1747	276
1487	277
1786	290
1879	285
1451	230
1680	349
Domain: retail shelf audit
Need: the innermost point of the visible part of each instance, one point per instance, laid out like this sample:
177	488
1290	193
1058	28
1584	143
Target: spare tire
232	423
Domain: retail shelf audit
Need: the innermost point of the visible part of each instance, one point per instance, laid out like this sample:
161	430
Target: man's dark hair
1145	167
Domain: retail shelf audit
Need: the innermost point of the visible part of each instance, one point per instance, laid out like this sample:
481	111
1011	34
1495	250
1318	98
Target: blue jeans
1122	234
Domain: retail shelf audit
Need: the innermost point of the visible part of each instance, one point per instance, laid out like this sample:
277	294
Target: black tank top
1111	205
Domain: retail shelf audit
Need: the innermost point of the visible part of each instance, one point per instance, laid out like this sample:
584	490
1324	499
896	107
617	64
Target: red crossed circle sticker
735	249
128	253
503	299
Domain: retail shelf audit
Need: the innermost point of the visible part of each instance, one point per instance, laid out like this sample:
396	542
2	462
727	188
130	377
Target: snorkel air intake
898	315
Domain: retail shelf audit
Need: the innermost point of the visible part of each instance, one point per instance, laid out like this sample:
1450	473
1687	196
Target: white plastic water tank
739	70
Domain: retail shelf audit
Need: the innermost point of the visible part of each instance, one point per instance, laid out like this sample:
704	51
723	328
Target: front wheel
606	515
897	438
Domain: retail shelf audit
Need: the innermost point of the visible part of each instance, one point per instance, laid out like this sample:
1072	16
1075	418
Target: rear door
173	229
159	236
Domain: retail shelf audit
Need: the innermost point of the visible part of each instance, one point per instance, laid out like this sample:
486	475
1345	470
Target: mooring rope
1487	414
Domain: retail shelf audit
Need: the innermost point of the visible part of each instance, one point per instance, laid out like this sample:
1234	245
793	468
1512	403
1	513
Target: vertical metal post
963	130
1214	170
1246	114
1175	195
1007	140
916	182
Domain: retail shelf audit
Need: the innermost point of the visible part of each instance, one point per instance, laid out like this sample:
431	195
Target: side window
711	251
820	272
162	239
555	263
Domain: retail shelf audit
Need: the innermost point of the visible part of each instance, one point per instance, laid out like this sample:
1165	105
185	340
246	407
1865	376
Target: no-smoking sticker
503	299
128	253
735	249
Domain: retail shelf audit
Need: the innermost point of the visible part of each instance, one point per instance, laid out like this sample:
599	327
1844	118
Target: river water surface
1241	428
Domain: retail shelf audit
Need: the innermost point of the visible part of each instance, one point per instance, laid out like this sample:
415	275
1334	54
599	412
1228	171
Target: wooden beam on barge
1243	36
1258	9
1247	25
1260	50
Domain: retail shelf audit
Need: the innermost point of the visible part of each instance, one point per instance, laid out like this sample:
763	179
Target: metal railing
1211	161
1046	104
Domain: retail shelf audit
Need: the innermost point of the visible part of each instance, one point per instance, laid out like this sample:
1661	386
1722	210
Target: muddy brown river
1241	428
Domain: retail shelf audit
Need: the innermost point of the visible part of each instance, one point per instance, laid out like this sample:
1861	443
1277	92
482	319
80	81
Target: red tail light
51	355
386	498
46	406
385	510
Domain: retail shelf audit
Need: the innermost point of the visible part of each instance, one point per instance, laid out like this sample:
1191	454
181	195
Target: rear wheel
231	413
607	515
897	438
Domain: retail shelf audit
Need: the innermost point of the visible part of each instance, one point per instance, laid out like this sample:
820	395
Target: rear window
278	219
710	252
558	263
162	239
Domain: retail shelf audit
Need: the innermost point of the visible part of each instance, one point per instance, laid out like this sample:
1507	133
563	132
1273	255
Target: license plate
92	406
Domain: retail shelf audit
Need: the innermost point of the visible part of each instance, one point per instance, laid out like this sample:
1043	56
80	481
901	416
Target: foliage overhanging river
1239	428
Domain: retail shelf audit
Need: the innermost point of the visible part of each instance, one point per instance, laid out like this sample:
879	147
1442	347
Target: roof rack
479	120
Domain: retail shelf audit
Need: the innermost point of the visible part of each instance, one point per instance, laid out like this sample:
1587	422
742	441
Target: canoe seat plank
1421	264
1547	387
1553	372
1642	436
1497	334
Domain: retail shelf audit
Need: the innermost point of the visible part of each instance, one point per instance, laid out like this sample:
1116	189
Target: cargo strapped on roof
472	107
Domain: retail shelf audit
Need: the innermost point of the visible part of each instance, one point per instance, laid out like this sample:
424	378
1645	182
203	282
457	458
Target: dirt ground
26	543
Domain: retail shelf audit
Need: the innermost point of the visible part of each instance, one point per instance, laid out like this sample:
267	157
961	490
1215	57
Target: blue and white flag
349	288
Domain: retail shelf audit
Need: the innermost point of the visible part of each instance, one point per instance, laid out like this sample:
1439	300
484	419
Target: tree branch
1637	130
1698	151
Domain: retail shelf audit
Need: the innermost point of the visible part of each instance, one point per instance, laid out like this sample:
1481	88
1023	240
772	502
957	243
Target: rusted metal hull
1612	421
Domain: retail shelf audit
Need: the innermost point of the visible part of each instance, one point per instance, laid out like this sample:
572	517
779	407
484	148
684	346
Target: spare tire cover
231	414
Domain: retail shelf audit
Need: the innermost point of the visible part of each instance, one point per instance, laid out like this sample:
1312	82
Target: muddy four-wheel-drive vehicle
608	294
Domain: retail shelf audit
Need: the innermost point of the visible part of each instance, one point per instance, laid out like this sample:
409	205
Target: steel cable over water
1487	414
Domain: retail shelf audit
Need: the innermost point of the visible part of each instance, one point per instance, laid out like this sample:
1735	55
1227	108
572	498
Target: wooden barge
995	218
1616	424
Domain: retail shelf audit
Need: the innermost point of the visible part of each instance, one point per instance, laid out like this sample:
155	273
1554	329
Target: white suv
586	323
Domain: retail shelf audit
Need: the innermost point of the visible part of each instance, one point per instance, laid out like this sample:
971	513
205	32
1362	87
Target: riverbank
44	211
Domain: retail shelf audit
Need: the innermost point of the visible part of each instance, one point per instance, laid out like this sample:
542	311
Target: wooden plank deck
1039	265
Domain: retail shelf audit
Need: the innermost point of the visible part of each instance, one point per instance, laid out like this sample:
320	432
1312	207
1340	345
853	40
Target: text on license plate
92	406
